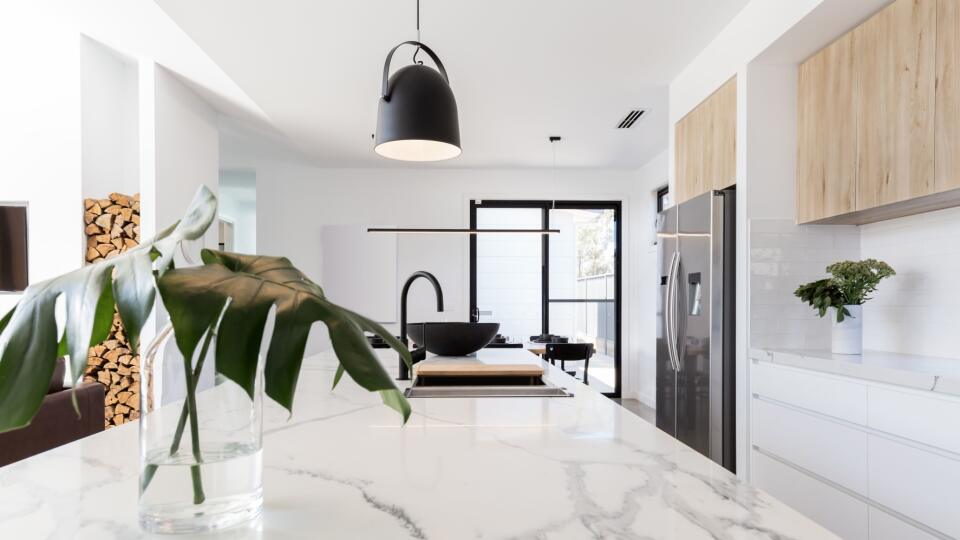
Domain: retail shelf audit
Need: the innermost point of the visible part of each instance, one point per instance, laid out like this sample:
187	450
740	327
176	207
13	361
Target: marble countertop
344	467
931	373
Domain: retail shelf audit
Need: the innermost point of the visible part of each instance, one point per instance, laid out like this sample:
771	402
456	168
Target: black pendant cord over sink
417	117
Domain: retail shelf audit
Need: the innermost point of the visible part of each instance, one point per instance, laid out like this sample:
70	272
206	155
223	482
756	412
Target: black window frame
661	196
545	206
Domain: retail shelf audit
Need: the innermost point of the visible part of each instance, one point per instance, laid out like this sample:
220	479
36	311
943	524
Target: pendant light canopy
417	116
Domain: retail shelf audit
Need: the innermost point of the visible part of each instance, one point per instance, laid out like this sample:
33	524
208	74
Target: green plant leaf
135	294
6	319
30	330
253	285
337	376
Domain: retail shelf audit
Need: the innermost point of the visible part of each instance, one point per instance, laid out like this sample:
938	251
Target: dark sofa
56	422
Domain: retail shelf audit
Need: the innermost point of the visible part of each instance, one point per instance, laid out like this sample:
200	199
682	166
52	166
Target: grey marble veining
914	371
344	467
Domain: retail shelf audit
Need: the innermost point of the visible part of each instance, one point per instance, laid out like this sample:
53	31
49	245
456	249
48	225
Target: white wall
109	121
644	279
187	153
238	203
40	138
915	311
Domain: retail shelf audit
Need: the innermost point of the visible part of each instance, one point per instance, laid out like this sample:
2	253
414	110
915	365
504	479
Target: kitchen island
343	467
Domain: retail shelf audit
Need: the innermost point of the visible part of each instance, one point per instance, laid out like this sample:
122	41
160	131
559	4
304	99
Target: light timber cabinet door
691	155
705	145
683	156
723	135
894	62
826	134
947	165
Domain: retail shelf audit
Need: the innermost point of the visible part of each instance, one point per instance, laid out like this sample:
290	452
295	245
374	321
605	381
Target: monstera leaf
238	291
29	331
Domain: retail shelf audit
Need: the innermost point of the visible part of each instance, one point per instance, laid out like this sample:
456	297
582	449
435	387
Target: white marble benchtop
343	467
914	371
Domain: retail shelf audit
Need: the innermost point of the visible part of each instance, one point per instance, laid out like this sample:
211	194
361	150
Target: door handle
671	312
674	313
667	316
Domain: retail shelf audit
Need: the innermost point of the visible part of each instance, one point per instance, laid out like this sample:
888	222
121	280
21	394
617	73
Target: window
663	198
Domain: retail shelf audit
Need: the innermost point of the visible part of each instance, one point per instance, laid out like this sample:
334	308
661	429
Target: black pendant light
417	116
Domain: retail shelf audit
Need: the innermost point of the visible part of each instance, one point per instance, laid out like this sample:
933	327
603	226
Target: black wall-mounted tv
13	248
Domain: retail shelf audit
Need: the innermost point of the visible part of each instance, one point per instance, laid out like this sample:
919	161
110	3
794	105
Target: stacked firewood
113	227
113	364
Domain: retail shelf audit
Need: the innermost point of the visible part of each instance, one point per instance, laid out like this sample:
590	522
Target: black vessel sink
452	338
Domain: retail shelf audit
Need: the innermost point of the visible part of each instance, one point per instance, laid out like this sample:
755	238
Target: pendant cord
415	61
553	146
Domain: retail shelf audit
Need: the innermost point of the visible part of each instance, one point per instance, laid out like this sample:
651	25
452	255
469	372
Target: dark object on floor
570	352
56	422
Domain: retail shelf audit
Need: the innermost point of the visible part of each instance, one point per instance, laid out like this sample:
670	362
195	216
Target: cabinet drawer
883	526
829	449
835	510
918	484
930	419
827	395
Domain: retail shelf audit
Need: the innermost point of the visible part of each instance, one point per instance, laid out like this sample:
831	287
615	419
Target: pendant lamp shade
417	116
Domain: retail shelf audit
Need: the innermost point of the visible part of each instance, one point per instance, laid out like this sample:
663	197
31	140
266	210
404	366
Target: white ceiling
521	70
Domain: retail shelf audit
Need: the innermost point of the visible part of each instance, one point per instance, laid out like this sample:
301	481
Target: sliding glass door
566	284
508	271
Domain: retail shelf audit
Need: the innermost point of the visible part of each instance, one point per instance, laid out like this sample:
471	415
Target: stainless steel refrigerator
695	330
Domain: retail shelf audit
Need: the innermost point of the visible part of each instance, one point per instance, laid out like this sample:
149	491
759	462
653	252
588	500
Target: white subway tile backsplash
915	311
783	256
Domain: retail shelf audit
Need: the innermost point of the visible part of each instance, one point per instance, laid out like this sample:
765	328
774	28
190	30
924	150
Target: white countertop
921	372
343	467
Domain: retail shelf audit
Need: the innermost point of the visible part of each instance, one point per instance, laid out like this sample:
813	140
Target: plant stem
187	411
198	496
182	423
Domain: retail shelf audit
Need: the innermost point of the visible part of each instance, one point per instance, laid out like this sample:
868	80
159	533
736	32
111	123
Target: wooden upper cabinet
826	134
947	166
705	145
894	64
723	135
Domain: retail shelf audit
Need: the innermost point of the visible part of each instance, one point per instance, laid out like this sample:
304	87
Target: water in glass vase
228	480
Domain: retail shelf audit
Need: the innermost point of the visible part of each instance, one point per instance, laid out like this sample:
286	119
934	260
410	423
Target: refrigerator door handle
667	312
671	326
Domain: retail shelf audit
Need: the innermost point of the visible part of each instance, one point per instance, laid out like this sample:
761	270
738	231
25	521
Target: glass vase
201	442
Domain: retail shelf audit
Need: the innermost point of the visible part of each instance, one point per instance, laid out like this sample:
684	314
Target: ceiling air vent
630	119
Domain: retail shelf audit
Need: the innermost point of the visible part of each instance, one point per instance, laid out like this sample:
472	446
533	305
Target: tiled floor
639	409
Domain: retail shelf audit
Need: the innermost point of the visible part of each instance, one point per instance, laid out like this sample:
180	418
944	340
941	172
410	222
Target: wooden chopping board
476	369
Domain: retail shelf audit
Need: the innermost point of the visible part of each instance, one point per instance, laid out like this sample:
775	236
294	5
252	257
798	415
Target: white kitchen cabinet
884	526
865	459
825	394
918	484
932	420
829	449
837	511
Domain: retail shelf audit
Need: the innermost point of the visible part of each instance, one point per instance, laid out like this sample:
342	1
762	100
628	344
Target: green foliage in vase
857	279
249	286
31	343
850	284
